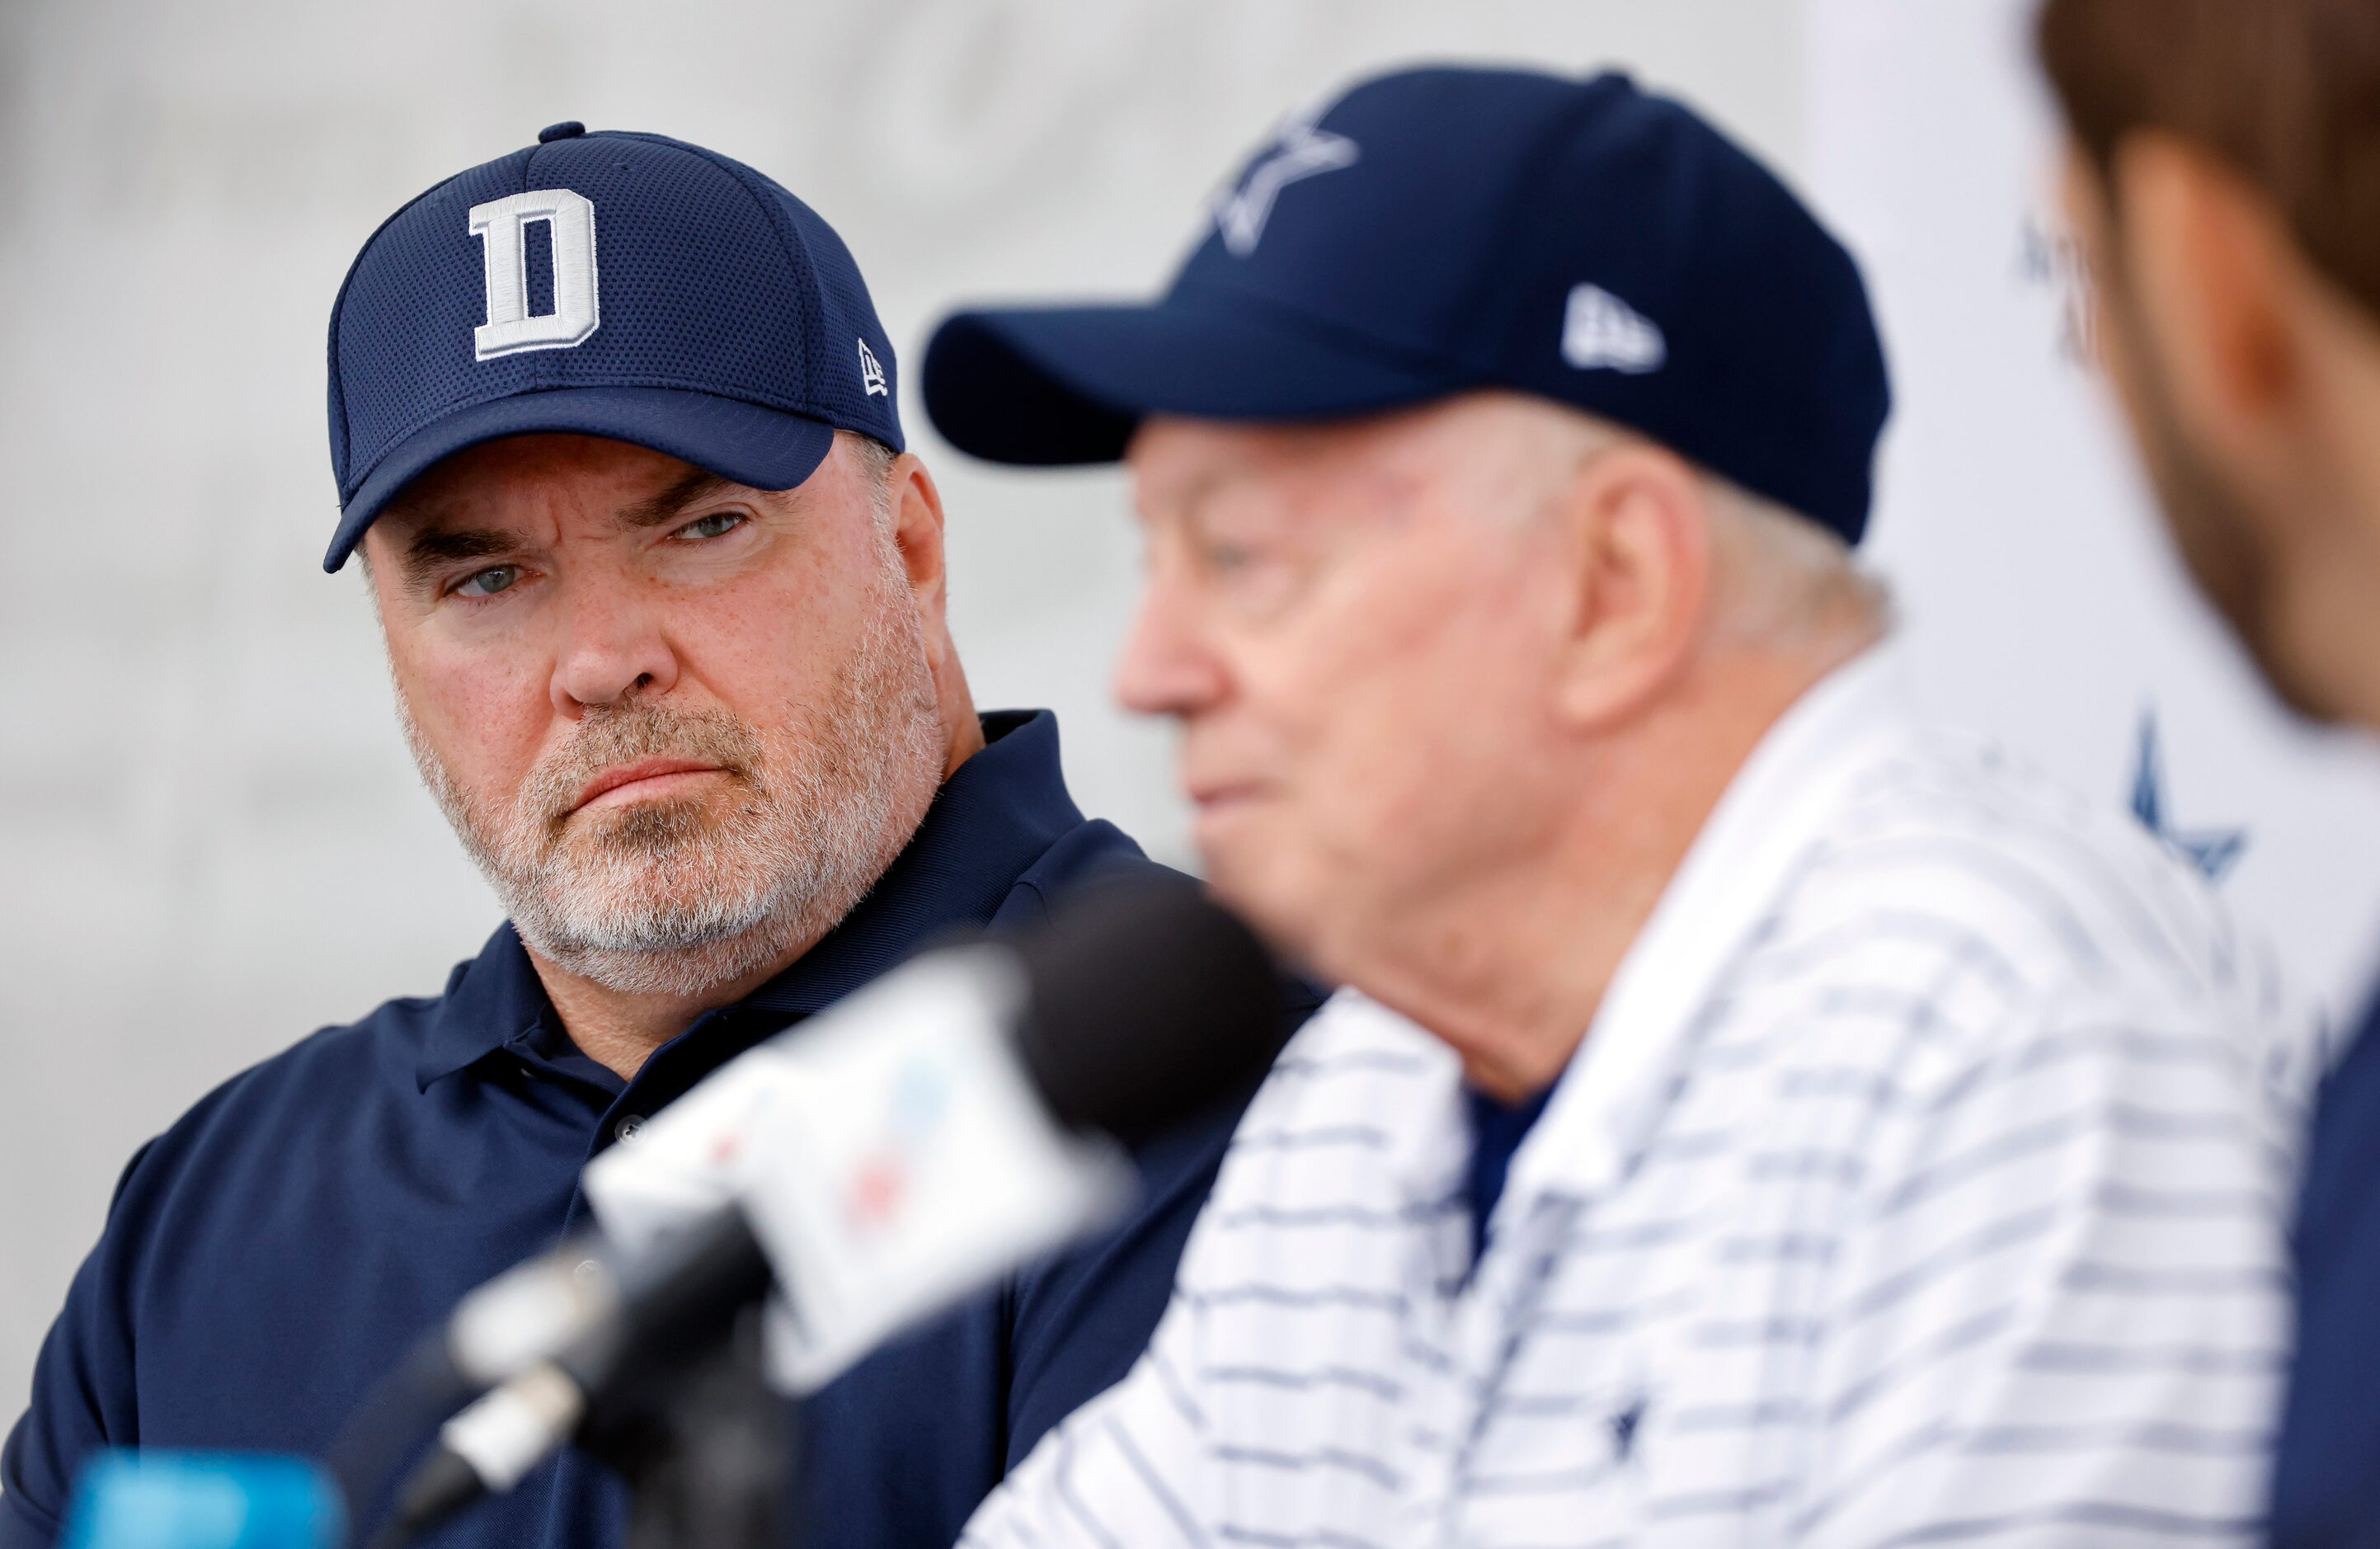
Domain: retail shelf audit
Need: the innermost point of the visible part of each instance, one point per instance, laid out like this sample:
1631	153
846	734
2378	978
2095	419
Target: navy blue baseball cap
609	284
1439	230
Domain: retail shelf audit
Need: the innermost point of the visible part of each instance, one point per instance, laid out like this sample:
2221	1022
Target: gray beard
680	897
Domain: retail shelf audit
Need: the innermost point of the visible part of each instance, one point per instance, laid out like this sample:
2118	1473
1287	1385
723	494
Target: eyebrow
658	510
434	548
1184	504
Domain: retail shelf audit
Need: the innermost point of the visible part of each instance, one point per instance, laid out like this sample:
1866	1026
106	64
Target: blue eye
716	525
488	583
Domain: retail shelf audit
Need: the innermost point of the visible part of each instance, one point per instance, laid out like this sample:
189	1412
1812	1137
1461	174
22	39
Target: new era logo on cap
718	328
1601	330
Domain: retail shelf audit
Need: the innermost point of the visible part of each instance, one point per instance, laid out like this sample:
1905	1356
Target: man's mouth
1209	796
645	780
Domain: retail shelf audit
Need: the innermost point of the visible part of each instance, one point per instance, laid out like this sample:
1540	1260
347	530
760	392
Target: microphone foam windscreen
1148	1001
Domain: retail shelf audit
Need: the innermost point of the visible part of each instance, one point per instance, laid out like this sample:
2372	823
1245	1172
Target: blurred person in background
664	600
2224	180
1753	1118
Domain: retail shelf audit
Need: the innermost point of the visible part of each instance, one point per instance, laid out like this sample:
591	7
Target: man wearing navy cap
615	429
1754	1118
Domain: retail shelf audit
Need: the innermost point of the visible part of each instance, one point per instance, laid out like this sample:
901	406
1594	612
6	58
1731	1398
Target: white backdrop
210	835
2042	600
210	839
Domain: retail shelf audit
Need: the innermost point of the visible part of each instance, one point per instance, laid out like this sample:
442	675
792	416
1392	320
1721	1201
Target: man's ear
2206	269
918	531
1638	550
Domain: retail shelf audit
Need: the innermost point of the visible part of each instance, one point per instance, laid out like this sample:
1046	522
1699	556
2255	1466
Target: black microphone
1139	1004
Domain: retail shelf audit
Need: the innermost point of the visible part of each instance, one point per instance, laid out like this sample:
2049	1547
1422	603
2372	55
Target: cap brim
767	448
1046	386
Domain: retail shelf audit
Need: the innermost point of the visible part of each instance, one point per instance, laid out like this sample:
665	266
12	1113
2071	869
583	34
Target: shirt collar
997	813
1612	1094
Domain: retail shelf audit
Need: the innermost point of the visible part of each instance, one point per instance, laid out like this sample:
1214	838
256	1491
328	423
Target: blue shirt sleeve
83	1396
2326	1473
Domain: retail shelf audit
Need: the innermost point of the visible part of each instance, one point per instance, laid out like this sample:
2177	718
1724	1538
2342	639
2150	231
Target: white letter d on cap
498	224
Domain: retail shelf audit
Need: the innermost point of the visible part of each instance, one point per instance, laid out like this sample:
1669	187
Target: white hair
875	460
1782	579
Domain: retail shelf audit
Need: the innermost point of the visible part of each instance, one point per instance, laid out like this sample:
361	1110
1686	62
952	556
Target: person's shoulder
319	1083
1092	851
384	1044
1983	964
1959	891
1956	840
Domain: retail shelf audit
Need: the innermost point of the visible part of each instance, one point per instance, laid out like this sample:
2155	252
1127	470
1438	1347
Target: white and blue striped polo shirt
1921	1179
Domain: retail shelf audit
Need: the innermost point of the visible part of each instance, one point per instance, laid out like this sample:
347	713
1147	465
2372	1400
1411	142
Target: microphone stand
708	1456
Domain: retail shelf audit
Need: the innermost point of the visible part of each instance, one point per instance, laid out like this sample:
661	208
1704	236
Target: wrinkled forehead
520	477
1186	469
1455	454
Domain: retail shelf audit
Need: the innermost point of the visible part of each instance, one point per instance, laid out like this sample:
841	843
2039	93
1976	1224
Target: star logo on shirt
1302	149
1624	1426
2212	850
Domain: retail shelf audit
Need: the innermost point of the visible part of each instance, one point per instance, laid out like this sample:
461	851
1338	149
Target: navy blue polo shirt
2326	1476
1498	1128
275	1251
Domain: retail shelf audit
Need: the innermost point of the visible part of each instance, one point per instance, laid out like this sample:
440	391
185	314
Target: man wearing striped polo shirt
1755	1118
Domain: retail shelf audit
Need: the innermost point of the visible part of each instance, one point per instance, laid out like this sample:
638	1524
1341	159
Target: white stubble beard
679	898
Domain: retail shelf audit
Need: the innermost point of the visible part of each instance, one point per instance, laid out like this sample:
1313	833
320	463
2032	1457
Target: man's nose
613	647
1168	667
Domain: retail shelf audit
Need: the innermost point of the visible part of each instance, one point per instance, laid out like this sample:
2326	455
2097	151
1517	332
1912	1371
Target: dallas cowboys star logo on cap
1302	149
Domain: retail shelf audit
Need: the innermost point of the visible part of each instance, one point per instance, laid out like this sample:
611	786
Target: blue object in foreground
203	1500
